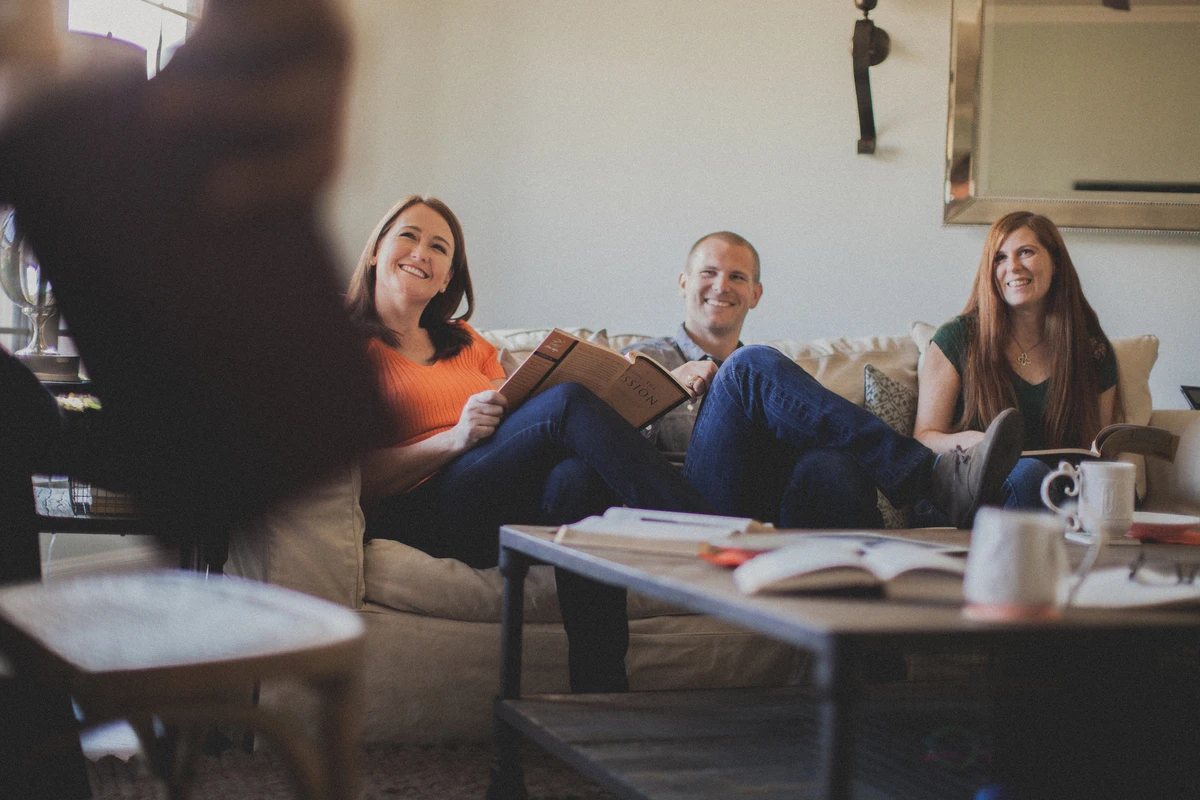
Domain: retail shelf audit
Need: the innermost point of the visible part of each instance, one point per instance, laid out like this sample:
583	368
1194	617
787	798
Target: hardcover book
639	388
895	568
1118	439
645	531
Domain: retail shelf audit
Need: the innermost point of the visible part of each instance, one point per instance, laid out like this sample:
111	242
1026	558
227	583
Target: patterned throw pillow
896	405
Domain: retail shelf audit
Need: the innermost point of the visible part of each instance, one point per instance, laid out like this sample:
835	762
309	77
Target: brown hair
438	318
1074	341
730	238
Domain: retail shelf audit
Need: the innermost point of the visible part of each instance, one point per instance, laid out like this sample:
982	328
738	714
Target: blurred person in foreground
175	218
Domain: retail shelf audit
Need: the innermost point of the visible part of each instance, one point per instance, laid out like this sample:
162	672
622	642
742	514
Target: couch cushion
896	405
1135	359
520	342
1136	356
838	363
406	579
311	543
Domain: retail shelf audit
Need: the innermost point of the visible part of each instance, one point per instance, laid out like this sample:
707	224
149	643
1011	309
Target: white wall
586	145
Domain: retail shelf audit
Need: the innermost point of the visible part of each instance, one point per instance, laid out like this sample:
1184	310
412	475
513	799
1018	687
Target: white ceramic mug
1017	565
1106	496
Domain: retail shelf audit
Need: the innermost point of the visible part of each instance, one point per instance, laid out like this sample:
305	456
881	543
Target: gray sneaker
964	480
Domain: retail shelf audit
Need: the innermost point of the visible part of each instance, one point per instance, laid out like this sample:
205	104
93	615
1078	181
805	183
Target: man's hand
479	419
261	84
697	376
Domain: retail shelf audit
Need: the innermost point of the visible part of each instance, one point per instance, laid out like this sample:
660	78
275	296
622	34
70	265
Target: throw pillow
895	404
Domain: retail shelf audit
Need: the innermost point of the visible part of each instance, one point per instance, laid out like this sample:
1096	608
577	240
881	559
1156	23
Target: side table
58	514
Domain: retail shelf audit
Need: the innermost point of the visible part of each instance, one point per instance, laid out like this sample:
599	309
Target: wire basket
88	499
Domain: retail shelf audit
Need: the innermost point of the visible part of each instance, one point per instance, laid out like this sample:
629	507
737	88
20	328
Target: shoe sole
998	464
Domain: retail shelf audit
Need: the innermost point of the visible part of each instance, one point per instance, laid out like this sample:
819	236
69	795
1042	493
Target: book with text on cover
645	531
639	388
1114	440
894	567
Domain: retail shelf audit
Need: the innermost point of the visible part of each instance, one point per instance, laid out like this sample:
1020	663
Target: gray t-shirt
672	433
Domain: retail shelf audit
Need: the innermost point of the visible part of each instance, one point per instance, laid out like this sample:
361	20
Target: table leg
508	779
341	725
837	684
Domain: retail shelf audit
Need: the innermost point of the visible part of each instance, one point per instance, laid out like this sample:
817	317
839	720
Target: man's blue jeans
773	443
561	456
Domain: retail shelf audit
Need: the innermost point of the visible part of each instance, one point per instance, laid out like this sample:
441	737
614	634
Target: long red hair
1073	337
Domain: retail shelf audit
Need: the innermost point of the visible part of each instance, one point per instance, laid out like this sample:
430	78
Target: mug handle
1065	470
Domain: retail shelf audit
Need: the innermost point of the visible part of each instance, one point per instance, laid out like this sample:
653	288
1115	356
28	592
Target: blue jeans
772	442
561	456
1023	486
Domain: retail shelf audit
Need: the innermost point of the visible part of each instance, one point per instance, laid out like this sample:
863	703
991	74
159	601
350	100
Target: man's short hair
730	238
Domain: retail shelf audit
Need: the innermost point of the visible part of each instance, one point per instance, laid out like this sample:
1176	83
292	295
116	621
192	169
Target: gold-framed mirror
1085	113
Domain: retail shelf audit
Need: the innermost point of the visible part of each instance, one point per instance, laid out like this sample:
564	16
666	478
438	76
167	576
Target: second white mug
1106	497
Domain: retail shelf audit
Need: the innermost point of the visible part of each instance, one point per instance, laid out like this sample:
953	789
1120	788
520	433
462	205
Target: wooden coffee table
717	743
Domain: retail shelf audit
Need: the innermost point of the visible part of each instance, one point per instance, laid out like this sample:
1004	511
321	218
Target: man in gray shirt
774	444
720	284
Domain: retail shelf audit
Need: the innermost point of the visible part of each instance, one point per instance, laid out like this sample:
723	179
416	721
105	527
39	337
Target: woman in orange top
461	465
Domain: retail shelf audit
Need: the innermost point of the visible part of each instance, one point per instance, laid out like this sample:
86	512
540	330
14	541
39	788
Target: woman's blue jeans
561	456
1023	487
771	442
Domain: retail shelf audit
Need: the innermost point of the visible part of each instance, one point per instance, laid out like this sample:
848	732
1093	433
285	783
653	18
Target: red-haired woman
1029	338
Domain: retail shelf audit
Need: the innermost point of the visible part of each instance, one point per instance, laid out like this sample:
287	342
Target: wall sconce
869	48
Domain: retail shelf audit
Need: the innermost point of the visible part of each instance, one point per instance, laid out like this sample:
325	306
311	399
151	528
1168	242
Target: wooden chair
176	652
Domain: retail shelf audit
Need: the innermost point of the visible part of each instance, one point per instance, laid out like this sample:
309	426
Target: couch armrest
1175	487
312	543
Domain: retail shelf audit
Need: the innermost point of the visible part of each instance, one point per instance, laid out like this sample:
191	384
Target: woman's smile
412	269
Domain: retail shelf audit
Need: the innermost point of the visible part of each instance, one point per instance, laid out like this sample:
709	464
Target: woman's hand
397	469
697	376
479	419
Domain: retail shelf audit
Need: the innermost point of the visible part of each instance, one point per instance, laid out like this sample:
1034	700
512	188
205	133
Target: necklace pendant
1024	359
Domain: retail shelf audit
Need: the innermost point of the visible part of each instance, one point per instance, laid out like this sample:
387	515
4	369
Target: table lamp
27	286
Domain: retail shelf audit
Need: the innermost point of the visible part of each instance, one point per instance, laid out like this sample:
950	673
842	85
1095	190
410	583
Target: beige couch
433	625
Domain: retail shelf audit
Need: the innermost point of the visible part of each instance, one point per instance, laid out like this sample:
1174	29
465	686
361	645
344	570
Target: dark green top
1031	398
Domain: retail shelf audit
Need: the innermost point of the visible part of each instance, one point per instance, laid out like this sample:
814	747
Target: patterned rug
390	772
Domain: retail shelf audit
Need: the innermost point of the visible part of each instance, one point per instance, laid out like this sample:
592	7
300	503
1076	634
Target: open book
1117	439
895	567
645	531
638	387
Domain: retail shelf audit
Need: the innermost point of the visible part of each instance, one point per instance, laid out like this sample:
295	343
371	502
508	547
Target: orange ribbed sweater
428	399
